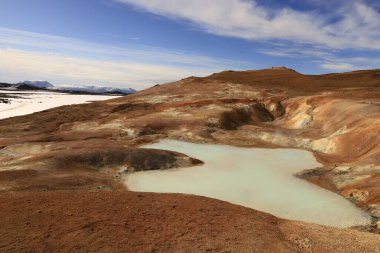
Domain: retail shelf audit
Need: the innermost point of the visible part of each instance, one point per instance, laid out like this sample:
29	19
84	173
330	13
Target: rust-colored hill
293	82
60	184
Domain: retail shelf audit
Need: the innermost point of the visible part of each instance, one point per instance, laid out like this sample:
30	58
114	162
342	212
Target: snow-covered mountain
45	85
37	84
96	89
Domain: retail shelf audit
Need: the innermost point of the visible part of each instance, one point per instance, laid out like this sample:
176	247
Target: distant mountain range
36	84
45	85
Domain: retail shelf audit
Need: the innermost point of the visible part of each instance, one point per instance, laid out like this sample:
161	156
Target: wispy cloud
338	66
68	69
27	55
325	34
325	58
350	24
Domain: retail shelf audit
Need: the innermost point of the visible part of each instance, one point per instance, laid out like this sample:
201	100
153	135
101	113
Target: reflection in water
253	177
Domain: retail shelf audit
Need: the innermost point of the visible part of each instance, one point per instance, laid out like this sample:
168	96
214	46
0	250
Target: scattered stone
123	170
213	122
357	196
342	170
5	101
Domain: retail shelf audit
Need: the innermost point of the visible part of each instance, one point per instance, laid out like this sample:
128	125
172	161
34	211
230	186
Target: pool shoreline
225	177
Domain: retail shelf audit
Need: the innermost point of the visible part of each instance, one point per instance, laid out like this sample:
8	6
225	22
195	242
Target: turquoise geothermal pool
258	178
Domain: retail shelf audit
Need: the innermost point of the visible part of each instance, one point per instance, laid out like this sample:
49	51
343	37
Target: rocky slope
75	149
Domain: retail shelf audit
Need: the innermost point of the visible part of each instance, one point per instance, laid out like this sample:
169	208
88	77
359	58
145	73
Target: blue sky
138	43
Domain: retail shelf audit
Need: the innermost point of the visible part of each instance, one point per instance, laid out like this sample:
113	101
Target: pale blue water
253	177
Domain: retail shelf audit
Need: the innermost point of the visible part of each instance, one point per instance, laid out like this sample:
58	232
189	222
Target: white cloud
338	66
325	58
294	51
355	24
17	65
22	39
60	60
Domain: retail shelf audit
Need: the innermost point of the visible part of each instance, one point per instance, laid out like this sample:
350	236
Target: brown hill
48	156
294	82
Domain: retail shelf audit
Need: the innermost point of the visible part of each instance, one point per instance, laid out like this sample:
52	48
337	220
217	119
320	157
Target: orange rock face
84	148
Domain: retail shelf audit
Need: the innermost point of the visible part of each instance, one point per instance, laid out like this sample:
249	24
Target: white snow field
34	101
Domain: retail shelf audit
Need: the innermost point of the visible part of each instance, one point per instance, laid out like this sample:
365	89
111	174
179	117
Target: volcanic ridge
62	169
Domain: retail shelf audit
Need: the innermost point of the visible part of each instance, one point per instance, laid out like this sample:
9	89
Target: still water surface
258	178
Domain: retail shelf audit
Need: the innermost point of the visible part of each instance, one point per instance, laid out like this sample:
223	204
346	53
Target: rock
374	210
342	170
356	196
275	108
5	101
123	170
213	122
346	180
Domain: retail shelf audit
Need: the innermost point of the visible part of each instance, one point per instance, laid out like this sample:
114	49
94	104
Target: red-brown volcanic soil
60	169
109	221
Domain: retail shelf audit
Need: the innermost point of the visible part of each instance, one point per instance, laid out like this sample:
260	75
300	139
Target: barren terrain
60	184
